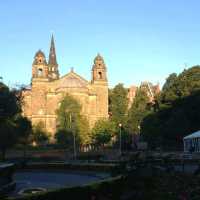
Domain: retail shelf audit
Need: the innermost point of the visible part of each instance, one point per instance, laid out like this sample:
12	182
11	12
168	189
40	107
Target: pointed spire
52	64
52	54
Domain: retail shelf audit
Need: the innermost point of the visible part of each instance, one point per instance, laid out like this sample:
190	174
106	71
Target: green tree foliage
182	85
24	128
102	132
137	112
119	104
8	136
71	120
24	131
9	109
179	110
64	137
84	131
68	113
9	103
170	89
40	136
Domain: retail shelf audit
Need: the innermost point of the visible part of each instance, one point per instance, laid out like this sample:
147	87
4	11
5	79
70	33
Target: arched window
40	72
100	75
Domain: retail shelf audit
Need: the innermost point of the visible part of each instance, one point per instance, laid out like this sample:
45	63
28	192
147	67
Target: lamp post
139	130
74	145
73	132
120	139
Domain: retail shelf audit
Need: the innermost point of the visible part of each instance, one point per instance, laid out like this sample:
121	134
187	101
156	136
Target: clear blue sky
139	39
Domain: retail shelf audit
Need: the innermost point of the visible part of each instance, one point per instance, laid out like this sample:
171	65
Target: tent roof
193	135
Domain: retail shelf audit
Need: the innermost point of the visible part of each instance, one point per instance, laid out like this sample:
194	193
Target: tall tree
64	137
24	131
40	136
182	85
137	112
9	108
68	113
103	131
71	120
9	103
84	131
119	104
178	113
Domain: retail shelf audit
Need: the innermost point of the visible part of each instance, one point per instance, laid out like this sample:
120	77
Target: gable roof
72	80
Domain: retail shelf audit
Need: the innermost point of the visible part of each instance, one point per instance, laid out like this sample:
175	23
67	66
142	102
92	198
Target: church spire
53	65
52	53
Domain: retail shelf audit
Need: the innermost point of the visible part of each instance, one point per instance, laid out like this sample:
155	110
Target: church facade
47	89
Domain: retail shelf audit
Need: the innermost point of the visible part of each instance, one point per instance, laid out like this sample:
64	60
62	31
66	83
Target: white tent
192	142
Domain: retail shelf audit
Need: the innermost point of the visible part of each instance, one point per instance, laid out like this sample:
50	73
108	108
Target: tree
68	113
182	85
170	89
8	136
9	108
172	78
84	131
178	113
71	120
102	132
64	137
9	103
139	109
119	104
40	136
24	131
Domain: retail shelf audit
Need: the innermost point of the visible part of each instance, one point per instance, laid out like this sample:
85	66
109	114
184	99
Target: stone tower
40	79
100	85
40	68
52	63
99	70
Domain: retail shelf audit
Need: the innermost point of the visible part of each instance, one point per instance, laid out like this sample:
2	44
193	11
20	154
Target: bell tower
40	67
99	70
100	87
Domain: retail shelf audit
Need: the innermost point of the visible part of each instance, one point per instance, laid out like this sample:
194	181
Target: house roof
193	135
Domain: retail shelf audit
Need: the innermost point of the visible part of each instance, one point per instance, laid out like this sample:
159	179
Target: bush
64	137
40	136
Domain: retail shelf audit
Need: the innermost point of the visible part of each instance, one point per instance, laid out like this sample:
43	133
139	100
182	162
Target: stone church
47	89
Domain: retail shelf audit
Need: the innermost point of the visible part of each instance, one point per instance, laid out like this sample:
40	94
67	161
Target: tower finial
72	69
53	65
52	53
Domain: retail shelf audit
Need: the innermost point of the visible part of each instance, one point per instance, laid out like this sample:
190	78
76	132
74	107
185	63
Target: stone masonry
47	89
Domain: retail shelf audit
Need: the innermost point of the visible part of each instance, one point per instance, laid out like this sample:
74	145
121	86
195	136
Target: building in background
151	90
47	89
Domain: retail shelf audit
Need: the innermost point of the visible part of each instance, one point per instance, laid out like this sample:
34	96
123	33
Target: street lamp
120	139
73	132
